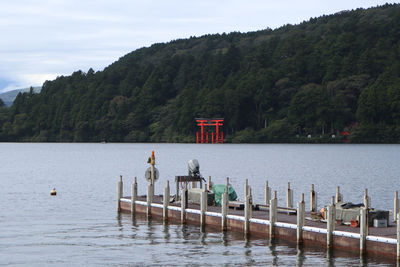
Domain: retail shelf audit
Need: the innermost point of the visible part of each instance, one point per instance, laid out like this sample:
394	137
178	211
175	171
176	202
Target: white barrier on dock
382	239
213	214
346	234
259	221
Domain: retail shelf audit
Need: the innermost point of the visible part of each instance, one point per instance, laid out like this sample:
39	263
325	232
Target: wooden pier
269	220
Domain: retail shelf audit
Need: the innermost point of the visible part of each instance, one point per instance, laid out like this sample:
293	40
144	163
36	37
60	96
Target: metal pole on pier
149	199
363	229
313	199
247	208
331	214
339	196
184	204
134	196
289	196
267	193
225	206
273	214
120	190
224	211
166	197
246	189
366	199
300	219
367	204
398	237
395	206
203	206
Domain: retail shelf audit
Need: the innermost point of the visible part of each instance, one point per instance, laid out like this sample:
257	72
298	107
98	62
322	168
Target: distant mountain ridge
9	97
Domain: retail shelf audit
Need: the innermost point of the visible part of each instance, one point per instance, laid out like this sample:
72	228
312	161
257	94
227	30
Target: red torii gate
219	136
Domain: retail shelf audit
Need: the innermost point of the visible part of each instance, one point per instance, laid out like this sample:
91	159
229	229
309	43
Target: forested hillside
327	75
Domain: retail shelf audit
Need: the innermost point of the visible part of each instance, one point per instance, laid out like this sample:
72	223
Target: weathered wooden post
330	223
246	189
313	199
152	173
209	183
366	199
166	197
120	190
184	204
225	206
134	196
224	211
289	196
367	204
398	237
395	206
247	208
339	196
363	229
273	214
300	219
267	193
149	200
203	206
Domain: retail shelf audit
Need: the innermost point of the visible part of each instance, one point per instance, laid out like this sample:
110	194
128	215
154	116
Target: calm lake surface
80	226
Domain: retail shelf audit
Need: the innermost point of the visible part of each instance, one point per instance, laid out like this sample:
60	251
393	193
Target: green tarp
219	189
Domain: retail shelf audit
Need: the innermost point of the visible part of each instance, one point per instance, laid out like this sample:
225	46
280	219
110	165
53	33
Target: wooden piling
289	197
134	196
209	183
300	219
273	214
395	206
331	214
246	189
339	196
366	199
203	206
247	208
313	199
120	190
224	211
149	199
166	197
398	237
184	196
251	202
267	193
367	205
363	229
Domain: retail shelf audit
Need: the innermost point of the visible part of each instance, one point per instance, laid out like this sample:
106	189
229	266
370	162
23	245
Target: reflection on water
176	244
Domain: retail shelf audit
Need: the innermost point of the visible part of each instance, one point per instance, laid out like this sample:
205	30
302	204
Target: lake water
80	226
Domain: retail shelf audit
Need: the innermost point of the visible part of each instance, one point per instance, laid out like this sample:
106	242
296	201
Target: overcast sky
41	40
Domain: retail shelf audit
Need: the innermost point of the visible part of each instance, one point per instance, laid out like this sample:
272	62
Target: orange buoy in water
53	192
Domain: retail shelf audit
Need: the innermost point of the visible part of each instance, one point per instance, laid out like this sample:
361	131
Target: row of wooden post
273	206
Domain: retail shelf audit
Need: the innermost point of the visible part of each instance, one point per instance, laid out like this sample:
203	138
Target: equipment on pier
193	176
219	189
147	174
347	212
194	167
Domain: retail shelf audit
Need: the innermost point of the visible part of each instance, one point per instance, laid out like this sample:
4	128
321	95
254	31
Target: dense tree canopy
316	79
